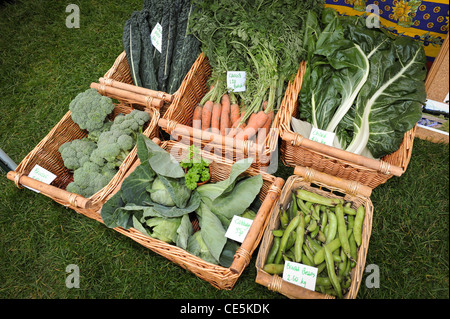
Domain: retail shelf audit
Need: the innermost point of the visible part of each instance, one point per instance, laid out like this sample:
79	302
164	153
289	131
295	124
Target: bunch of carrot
223	115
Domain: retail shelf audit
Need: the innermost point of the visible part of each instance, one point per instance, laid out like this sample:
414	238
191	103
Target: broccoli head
131	123
90	109
90	178
75	153
113	146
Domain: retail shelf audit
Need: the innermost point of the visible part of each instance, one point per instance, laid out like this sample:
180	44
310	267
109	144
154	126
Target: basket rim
219	276
99	197
293	139
270	143
304	182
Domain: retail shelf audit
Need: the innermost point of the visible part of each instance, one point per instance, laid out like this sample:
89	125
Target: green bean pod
319	256
357	226
332	228
300	236
308	253
274	268
277	232
274	250
314	245
353	248
331	273
323	220
306	260
349	211
312	226
284	219
316	198
321	236
301	204
342	229
293	208
343	264
292	225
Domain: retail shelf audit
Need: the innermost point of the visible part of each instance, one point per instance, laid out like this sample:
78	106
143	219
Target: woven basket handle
377	165
277	284
247	147
350	187
49	190
243	254
131	97
136	89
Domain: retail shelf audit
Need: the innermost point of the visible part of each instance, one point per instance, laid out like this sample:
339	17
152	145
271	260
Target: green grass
44	65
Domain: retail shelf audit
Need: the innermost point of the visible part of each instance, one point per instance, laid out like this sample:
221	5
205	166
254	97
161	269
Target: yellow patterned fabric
426	21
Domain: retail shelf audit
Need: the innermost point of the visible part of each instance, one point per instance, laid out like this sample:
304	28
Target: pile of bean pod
320	232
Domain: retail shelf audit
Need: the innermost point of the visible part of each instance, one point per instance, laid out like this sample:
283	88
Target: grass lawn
44	64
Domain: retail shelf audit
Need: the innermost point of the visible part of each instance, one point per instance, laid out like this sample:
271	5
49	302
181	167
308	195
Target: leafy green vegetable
360	83
161	206
262	38
159	194
197	168
165	70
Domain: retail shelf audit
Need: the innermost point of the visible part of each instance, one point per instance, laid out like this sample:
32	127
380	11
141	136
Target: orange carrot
264	131
236	126
255	121
225	116
234	113
206	115
215	118
197	118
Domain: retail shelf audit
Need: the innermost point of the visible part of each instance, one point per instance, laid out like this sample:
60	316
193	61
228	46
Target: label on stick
41	174
300	275
156	37
236	81
238	228
322	136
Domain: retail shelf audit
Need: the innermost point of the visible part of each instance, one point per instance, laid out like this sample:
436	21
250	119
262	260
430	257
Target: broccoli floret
90	109
113	146
131	123
94	135
90	178
76	152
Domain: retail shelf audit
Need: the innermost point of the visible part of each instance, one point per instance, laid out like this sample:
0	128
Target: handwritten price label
236	81
156	37
300	275
238	228
322	136
41	174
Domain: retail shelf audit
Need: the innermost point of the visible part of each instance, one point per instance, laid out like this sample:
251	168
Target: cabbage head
159	193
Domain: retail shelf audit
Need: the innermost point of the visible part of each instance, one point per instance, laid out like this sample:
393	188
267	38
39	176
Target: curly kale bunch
90	110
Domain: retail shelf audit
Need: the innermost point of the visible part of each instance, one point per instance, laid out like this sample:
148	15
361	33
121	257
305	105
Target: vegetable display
155	200
320	232
160	68
95	159
264	40
361	84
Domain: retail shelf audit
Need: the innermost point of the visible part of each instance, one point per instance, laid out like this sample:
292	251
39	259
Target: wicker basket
120	73
298	150
46	155
218	276
329	186
177	121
